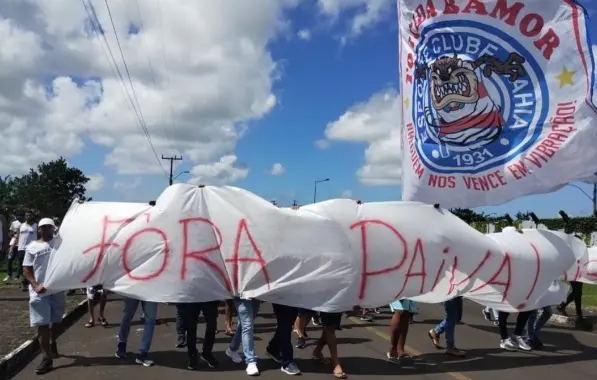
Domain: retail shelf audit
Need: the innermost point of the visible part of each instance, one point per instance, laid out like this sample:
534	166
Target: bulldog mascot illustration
462	111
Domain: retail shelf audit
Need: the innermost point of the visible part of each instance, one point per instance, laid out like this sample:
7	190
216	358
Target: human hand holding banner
213	243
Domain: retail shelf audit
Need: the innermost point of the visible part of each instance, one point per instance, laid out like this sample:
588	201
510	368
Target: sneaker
182	342
209	359
45	366
455	352
301	343
274	356
522	343
144	360
486	314
290	369
508	345
7	278
54	350
121	351
367	318
252	369
393	358
193	363
233	355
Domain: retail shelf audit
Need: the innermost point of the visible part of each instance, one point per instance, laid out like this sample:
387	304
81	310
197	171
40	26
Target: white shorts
47	309
92	291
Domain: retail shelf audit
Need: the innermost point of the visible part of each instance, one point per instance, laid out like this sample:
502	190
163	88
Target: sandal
339	374
103	321
89	324
229	333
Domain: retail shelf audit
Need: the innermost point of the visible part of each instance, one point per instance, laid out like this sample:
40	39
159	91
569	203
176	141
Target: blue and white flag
499	98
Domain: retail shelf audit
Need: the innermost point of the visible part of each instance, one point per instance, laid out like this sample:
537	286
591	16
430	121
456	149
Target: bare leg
395	324
403	332
91	312
229	314
43	336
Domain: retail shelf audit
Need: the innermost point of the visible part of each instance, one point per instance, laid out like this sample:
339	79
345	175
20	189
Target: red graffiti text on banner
200	255
365	272
127	246
236	260
422	273
454	284
106	244
493	280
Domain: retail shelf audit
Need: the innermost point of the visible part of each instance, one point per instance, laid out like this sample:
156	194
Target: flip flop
89	325
103	321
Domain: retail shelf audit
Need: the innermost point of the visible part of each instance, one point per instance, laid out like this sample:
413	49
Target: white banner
498	98
213	243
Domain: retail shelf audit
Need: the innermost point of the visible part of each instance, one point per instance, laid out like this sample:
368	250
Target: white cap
46	222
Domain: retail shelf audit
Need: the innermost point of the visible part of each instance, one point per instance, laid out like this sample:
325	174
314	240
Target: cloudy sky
269	95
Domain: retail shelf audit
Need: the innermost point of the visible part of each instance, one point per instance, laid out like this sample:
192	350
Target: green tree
49	189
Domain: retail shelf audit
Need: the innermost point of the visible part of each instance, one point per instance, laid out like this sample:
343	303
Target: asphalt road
89	353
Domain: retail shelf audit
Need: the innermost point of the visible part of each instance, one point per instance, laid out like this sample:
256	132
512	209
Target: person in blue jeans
535	324
447	326
246	310
150	310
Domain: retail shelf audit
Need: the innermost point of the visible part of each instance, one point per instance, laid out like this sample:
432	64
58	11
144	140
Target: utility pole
595	199
171	159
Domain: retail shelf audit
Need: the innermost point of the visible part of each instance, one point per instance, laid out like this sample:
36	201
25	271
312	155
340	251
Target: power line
126	68
152	72
172	159
107	50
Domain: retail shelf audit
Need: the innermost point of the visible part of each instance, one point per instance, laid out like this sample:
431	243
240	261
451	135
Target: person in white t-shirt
4	237
13	230
27	234
45	310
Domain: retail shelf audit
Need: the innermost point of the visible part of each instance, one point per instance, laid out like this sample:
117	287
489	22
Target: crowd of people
32	244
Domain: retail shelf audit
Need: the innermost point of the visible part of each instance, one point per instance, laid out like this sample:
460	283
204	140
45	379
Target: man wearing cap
45	310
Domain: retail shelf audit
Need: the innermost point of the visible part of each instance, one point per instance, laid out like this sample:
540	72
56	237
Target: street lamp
315	188
592	198
181	173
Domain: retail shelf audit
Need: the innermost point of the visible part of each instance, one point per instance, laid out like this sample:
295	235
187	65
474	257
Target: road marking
384	336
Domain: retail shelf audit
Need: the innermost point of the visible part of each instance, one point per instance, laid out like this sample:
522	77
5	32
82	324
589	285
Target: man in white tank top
27	234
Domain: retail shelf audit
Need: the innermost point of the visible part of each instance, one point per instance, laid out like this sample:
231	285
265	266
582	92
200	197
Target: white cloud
304	34
277	169
225	170
346	194
197	79
128	186
365	13
96	182
375	122
322	144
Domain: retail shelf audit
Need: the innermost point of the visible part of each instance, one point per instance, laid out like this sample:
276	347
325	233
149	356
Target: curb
589	324
21	356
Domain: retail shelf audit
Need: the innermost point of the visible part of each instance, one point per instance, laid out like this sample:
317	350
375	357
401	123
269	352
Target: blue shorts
404	305
47	309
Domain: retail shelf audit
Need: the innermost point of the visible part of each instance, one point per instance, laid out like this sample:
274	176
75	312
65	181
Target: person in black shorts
330	322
